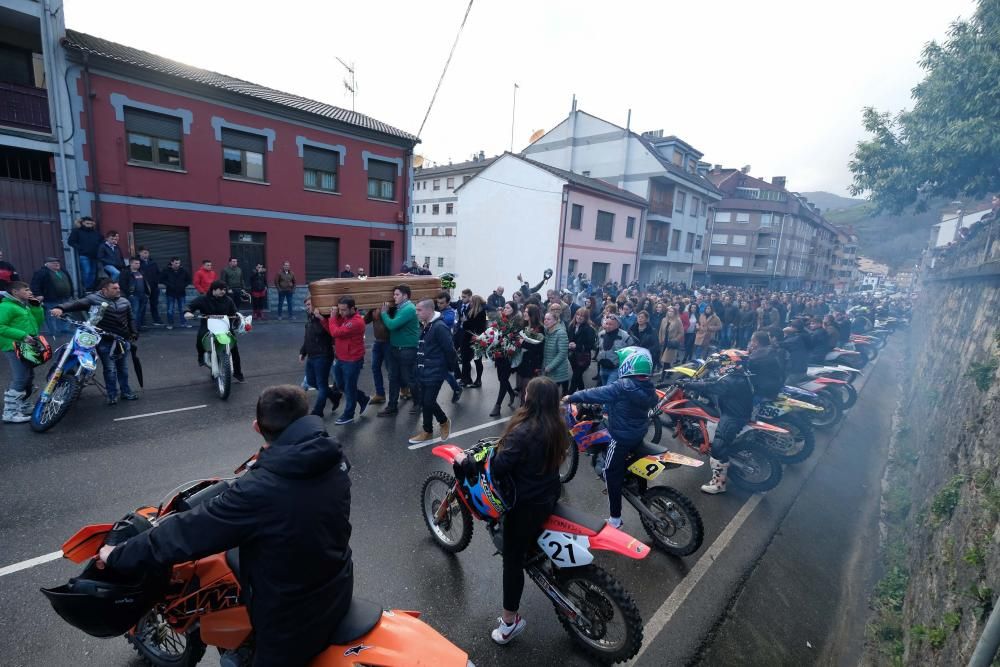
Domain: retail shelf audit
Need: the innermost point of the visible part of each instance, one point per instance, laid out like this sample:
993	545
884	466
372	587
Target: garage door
322	258
164	242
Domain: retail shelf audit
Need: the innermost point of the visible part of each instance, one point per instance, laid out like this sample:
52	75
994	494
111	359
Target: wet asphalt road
92	469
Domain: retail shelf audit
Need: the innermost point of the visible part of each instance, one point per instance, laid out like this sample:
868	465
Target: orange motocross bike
171	617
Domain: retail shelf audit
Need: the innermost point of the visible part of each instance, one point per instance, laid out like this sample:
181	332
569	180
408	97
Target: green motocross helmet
634	361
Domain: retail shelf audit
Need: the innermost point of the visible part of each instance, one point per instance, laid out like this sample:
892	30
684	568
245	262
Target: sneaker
445	429
377	399
615	522
112	400
189	326
342	420
476	385
363	404
239	377
423	436
388	412
504	633
456	395
170	327
404	394
130	396
15	418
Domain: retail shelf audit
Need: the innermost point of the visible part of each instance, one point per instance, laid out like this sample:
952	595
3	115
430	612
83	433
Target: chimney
716	167
778	181
745	169
482	155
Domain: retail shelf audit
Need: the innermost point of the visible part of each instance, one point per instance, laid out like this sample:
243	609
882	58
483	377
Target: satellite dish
418	160
535	136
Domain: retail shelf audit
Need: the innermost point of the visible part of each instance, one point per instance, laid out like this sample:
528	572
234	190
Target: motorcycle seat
649	449
579	517
361	618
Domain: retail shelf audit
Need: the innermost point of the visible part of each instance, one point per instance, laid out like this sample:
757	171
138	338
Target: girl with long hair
532	338
474	324
508	329
582	343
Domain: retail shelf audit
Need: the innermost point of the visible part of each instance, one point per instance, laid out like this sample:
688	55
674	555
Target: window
630	228
704	208
675	239
690	242
449	208
743	218
434	231
695	204
320	168
441	259
437	183
605	226
448	231
427	261
692	167
435	209
571	269
736	261
382	180
765	219
424	207
739	239
720	239
625	271
243	154
153	138
576	217
678	158
716	260
599	273
697	242
450	184
723	216
681	200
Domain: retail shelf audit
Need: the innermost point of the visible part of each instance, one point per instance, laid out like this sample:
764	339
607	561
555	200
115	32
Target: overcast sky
778	84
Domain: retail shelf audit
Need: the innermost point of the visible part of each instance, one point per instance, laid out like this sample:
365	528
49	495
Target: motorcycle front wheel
454	532
46	415
679	531
752	468
846	394
654	433
567	470
224	381
832	411
158	644
794	447
611	628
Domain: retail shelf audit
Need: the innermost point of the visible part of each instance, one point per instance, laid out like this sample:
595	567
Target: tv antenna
350	82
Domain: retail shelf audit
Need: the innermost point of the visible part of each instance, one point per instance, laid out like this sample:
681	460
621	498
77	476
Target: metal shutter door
247	142
153	124
322	258
317	158
383	171
164	242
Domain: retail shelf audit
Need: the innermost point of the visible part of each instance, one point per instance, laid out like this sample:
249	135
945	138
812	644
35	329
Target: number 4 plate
566	550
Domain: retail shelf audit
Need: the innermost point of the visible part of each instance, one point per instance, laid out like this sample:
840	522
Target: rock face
941	495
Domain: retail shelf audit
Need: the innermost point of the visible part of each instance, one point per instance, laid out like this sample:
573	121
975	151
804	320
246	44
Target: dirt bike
592	606
839	355
845	393
218	342
830	394
75	368
198	603
669	517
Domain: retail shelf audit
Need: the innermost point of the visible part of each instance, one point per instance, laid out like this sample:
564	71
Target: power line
445	70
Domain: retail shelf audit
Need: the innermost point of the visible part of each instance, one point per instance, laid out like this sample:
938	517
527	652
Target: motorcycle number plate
648	467
566	549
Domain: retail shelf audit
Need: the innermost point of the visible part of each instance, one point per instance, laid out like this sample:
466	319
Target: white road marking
31	562
161	412
462	432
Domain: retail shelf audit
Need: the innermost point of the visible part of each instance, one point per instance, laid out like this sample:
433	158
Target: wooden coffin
371	292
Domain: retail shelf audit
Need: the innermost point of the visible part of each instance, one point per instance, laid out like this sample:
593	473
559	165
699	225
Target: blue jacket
629	401
435	352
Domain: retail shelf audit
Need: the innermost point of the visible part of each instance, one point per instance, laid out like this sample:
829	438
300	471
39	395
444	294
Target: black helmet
104	603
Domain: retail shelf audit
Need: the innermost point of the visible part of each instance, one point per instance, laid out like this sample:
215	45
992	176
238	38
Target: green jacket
556	359
404	329
17	321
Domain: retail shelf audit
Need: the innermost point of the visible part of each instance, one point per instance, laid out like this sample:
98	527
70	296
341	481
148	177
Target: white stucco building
435	211
666	171
522	216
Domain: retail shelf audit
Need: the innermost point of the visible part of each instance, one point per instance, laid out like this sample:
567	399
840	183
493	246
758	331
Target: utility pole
352	85
513	115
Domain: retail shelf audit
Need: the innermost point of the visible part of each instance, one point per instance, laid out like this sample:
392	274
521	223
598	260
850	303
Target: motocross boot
718	482
13	407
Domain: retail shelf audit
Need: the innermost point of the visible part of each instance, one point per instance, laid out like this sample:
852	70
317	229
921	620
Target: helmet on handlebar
34	353
634	361
489	495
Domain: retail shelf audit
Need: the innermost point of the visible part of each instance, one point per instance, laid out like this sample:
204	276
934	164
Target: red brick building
204	166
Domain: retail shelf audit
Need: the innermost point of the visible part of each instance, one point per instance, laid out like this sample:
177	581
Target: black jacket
317	341
475	325
583	335
258	282
290	517
85	241
151	272
206	304
130	285
767	371
495	302
798	353
110	256
43	284
522	458
649	339
175	282
733	392
117	317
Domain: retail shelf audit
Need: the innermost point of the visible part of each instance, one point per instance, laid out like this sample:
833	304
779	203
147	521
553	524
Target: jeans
317	375
346	374
614	472
112	272
401	362
55	326
175	302
452	382
284	297
379	349
725	435
154	304
428	400
116	375
138	302
21	373
88	272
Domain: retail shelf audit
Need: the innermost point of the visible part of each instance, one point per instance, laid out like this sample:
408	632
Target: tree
949	144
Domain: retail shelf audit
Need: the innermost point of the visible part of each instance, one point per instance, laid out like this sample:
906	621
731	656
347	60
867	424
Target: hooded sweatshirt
629	401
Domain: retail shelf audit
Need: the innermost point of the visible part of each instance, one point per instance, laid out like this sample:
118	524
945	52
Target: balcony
24	107
655	248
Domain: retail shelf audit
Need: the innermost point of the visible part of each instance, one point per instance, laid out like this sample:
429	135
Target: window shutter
383	171
317	158
248	142
153	124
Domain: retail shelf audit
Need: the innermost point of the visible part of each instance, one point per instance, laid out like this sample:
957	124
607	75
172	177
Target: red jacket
203	280
348	336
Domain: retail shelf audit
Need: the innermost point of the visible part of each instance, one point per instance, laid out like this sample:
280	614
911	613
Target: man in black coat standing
289	515
151	272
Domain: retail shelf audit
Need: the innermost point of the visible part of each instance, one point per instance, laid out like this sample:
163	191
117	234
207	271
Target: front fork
57	372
